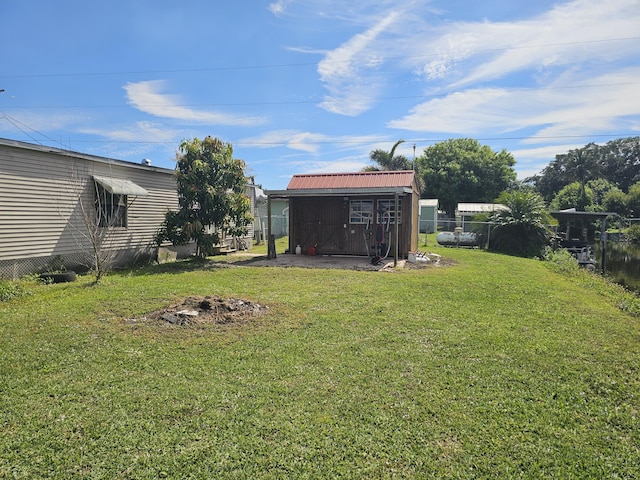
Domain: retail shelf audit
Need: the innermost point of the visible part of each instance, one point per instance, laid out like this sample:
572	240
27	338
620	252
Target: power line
23	128
359	142
307	102
302	64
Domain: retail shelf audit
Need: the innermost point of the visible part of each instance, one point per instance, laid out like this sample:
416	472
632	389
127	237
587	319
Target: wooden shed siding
42	195
415	223
324	221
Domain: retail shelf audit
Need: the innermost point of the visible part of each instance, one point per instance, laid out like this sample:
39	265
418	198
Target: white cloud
530	161
137	132
562	110
309	142
33	123
293	139
346	164
146	97
572	33
408	36
343	68
278	8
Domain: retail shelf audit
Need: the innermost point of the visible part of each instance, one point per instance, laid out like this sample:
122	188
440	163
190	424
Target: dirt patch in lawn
209	310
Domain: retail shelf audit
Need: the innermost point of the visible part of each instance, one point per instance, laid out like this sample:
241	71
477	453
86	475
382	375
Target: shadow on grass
189	265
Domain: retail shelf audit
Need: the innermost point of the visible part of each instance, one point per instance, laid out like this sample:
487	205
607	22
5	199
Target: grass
494	367
282	244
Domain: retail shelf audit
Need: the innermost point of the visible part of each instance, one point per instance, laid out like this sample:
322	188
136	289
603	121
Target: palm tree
582	166
521	228
390	161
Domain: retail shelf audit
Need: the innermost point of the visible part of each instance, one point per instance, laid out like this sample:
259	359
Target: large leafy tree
615	200
575	196
463	170
618	162
621	162
521	229
211	196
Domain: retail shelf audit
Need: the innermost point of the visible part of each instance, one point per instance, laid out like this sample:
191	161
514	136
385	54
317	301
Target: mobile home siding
43	195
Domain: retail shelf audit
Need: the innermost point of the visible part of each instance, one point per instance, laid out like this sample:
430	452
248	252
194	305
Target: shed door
321	221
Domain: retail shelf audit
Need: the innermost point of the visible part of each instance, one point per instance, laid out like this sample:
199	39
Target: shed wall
324	222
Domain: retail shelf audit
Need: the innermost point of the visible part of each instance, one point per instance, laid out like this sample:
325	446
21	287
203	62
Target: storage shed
428	215
352	213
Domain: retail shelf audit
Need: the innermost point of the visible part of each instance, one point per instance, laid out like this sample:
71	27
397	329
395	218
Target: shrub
12	289
561	261
633	234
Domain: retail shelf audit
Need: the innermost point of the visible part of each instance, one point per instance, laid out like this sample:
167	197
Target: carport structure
571	217
349	213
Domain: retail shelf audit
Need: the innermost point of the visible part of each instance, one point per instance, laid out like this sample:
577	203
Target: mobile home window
360	211
390	207
111	208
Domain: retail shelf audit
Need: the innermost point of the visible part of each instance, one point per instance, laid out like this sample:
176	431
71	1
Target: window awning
119	186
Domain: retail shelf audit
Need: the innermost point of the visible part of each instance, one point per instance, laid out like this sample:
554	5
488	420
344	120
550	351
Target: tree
573	196
211	196
633	200
618	162
388	160
552	178
391	161
96	217
583	165
621	162
462	170
600	188
521	229
615	200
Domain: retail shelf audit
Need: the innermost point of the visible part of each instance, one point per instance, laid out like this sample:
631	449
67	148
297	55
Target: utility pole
414	156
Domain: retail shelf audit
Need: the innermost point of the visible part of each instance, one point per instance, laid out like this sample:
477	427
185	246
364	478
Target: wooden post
271	242
603	238
395	233
271	248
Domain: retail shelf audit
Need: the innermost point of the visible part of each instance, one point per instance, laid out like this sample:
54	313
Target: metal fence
279	227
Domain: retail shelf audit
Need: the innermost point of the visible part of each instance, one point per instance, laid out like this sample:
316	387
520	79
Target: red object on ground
311	251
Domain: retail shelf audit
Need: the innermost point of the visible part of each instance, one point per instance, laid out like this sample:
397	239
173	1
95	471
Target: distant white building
428	215
466	211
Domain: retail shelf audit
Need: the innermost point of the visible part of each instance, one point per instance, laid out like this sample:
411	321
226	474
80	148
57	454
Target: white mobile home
50	199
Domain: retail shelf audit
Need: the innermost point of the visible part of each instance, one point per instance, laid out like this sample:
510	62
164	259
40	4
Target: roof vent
146	161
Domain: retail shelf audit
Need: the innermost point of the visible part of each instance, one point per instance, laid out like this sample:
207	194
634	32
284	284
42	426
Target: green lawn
495	367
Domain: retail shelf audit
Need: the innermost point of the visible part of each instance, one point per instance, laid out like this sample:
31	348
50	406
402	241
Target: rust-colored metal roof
356	180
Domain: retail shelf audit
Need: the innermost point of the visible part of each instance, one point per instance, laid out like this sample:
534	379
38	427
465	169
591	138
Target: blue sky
301	86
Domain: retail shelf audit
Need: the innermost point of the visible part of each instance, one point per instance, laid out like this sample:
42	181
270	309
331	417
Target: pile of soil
209	310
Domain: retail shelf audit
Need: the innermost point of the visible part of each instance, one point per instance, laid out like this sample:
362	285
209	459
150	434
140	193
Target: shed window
388	207
111	208
360	211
